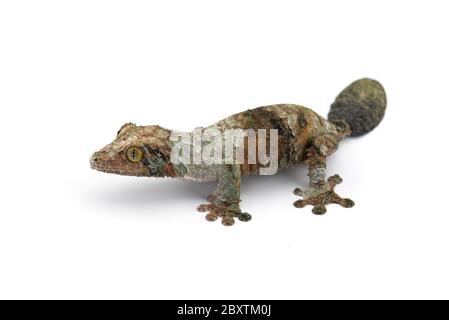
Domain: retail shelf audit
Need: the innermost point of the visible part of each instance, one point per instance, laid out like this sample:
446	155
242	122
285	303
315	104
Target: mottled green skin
304	137
297	127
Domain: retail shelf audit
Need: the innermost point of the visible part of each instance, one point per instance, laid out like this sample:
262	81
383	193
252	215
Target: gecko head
136	151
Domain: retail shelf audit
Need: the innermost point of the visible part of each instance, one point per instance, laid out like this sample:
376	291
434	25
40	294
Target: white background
72	72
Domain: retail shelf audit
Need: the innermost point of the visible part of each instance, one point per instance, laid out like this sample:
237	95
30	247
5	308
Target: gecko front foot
227	212
321	195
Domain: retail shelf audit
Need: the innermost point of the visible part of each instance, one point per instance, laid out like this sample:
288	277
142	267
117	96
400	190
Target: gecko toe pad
321	195
227	213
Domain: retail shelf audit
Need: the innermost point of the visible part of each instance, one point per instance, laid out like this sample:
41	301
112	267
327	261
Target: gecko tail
361	105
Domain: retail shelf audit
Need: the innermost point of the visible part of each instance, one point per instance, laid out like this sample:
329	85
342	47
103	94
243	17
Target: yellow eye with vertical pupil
134	154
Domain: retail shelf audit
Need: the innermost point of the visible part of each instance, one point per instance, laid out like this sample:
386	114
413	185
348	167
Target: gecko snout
94	160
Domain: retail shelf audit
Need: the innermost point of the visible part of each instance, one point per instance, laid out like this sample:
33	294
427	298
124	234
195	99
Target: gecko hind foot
322	195
227	213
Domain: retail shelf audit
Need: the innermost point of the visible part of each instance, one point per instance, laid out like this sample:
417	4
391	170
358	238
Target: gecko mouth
116	168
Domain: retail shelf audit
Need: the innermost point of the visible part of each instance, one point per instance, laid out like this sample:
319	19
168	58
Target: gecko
302	136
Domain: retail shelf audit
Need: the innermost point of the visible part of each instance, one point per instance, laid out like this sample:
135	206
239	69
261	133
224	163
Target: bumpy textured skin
362	105
303	137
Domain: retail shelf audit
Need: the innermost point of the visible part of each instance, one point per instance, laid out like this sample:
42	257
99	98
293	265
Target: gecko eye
134	154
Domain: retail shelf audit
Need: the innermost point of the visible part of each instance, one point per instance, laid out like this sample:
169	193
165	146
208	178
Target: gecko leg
320	192
224	202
